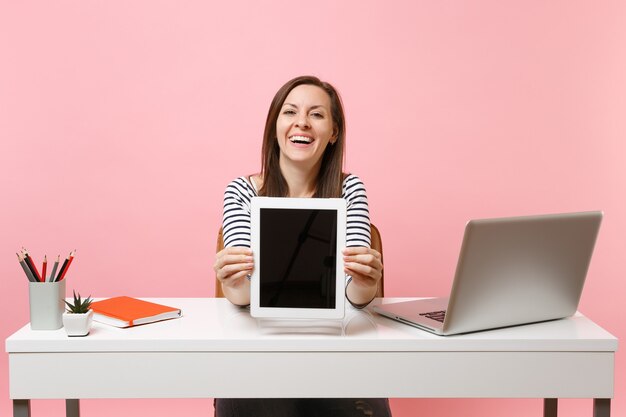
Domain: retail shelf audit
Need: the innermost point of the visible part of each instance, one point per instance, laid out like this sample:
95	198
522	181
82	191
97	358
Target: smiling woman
304	129
312	109
303	148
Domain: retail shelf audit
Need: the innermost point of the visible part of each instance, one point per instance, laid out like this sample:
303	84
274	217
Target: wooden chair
377	244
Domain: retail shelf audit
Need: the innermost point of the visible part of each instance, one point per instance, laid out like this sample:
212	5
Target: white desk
196	357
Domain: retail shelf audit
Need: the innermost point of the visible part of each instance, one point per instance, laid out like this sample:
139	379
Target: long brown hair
330	176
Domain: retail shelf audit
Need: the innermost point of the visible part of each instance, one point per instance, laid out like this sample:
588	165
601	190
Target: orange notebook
128	311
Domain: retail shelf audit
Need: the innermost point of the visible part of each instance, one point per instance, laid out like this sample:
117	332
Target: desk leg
550	407
72	408
21	408
601	407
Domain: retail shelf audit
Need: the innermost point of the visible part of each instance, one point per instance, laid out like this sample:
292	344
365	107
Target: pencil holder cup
46	304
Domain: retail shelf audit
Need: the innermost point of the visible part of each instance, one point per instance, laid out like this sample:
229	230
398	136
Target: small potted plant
78	316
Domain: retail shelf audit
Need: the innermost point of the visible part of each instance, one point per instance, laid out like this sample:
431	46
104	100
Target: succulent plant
79	306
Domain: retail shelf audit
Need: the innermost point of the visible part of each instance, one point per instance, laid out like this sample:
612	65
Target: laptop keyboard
435	315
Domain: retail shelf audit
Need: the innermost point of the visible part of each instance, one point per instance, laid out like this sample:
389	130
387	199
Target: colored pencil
63	266
54	269
44	267
26	269
33	268
70	259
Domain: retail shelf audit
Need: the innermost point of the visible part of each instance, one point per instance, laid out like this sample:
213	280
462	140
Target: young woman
303	147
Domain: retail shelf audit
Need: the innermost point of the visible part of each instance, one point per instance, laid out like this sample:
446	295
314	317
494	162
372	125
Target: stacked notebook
128	311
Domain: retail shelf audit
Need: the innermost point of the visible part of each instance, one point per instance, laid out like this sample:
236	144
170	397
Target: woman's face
305	126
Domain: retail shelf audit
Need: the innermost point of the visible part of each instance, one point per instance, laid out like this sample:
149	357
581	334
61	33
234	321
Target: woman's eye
317	115
289	112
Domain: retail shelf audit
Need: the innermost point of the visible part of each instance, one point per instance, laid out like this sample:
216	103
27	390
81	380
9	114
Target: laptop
510	271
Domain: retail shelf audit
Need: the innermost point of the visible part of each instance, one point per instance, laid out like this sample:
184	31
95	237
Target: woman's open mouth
301	140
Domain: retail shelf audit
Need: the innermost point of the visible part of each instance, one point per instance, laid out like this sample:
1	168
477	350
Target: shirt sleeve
358	231
236	219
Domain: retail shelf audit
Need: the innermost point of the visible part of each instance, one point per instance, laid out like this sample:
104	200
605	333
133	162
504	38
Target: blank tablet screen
298	265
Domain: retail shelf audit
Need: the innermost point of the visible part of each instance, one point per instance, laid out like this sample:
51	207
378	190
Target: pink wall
121	123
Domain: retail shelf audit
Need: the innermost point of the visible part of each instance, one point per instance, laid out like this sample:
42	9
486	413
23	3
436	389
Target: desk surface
210	324
206	352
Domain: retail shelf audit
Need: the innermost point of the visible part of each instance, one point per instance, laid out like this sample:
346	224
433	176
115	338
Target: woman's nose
302	121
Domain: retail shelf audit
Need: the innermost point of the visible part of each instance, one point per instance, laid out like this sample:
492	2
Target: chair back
377	244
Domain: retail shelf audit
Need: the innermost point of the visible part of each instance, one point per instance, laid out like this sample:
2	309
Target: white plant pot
77	324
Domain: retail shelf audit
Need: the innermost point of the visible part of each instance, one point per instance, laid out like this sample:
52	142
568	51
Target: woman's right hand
232	265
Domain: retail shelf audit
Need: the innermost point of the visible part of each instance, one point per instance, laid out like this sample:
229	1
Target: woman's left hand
364	265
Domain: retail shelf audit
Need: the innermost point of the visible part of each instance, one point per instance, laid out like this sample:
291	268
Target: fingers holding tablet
363	264
232	264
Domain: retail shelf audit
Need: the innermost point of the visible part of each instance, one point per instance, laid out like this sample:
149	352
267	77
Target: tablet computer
297	244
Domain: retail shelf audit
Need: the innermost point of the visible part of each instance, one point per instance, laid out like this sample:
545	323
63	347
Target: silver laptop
510	271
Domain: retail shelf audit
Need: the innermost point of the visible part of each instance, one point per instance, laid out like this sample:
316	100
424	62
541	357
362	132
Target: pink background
122	122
